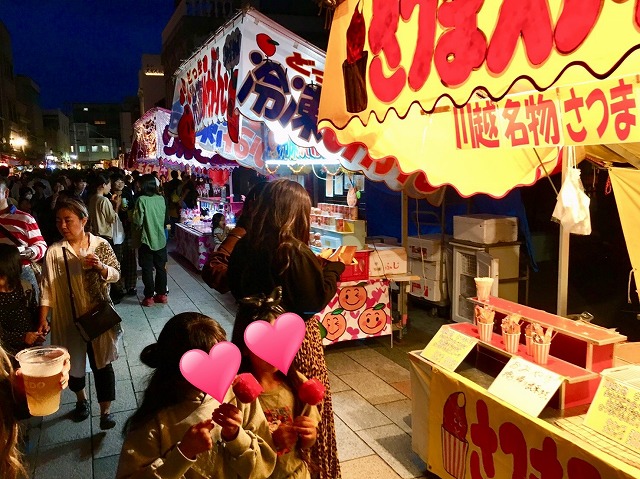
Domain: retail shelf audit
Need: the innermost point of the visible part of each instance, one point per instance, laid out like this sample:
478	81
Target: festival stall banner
396	70
473	435
359	309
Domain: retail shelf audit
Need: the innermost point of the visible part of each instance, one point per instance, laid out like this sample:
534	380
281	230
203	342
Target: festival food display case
481	411
194	242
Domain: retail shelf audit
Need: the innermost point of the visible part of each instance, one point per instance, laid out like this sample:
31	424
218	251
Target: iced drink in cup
483	288
85	253
41	367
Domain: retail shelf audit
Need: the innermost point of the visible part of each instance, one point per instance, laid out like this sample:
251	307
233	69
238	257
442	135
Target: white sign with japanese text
448	348
525	385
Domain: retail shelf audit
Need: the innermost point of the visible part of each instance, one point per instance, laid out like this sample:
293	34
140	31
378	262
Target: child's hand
197	439
34	337
307	431
284	438
229	418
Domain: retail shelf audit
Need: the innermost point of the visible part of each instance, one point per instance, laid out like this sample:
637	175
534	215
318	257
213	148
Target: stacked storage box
425	261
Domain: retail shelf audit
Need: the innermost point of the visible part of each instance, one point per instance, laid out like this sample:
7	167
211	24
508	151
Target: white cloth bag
572	207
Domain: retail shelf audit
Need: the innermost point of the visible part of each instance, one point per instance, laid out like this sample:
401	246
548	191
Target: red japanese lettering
485	126
545	461
575	23
483	436
421	64
621	108
516	131
638	13
543	119
297	63
574	104
512	442
382	39
579	469
597	95
462	47
527	18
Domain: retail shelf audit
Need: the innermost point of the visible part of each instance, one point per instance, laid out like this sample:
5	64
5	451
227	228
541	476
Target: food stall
495	87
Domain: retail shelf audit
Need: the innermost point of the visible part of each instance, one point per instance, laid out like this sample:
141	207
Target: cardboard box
425	247
428	289
425	269
485	229
386	259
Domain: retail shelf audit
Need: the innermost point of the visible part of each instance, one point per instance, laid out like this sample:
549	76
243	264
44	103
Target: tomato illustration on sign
187	129
373	320
335	324
266	44
352	298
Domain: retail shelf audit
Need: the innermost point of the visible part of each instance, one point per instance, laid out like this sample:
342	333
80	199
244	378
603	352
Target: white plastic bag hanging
572	207
117	235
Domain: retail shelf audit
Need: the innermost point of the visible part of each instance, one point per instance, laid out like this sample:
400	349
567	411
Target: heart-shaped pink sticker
276	343
212	373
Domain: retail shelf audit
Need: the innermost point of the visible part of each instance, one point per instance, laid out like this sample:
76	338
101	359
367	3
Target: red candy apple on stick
246	388
311	393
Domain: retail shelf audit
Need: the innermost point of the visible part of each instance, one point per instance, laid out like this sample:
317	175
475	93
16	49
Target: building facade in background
56	136
151	83
30	115
88	145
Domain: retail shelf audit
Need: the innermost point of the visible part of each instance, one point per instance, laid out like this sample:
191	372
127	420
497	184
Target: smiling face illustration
372	321
352	298
335	324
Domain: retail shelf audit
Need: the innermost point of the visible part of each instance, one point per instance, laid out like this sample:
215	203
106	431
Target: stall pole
563	254
404	218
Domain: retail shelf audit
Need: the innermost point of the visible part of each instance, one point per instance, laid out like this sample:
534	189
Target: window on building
72	149
94	148
99	122
82	149
105	148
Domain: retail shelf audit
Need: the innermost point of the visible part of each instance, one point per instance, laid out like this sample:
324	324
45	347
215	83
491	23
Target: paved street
369	381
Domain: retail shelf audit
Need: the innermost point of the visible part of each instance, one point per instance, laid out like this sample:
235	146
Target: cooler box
425	247
485	229
426	269
428	289
385	259
357	272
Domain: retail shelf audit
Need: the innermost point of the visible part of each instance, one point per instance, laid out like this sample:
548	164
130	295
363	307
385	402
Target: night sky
83	50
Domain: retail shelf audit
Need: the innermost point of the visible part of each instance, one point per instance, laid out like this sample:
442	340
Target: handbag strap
10	236
71	295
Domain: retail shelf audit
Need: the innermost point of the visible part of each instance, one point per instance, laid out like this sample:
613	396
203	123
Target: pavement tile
108	443
380	365
71	460
105	467
350	446
356	412
370	467
372	388
60	428
140	375
393	445
399	412
339	363
404	387
125	399
337	384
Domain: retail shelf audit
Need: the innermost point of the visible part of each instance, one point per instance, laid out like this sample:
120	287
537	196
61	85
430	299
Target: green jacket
149	221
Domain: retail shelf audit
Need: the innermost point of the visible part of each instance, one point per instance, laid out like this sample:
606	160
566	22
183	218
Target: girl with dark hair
218	230
18	305
275	252
178	430
93	267
149	236
293	424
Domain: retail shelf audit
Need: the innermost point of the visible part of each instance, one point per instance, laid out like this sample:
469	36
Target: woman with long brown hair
275	252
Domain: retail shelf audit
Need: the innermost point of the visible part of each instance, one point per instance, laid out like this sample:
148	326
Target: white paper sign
328	192
339	184
448	348
525	385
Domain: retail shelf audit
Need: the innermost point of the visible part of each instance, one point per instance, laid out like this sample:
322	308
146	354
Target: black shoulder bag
97	320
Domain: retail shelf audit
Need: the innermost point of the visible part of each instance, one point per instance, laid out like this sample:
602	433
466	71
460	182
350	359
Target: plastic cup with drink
483	288
41	367
85	254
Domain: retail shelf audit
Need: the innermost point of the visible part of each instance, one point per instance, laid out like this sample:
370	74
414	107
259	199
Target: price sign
615	412
526	385
448	348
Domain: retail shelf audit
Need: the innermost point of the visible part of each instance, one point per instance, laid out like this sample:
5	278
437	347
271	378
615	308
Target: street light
18	142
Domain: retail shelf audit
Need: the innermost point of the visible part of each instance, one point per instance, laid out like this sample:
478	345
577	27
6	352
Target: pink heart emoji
276	343
212	373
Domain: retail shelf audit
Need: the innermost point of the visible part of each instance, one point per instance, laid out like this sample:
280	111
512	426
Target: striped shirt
24	227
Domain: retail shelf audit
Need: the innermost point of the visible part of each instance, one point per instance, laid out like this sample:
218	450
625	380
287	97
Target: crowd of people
86	231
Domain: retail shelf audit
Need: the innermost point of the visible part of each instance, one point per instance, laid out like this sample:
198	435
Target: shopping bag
572	207
117	234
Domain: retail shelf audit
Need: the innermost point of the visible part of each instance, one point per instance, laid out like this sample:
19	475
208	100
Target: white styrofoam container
424	246
426	269
428	289
485	229
385	259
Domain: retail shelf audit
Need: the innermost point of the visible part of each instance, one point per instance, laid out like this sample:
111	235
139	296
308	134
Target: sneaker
147	302
132	292
81	412
161	298
107	421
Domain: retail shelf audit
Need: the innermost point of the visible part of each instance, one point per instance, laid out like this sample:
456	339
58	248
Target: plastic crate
356	272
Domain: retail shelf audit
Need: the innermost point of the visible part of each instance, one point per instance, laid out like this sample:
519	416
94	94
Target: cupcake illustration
454	433
354	67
